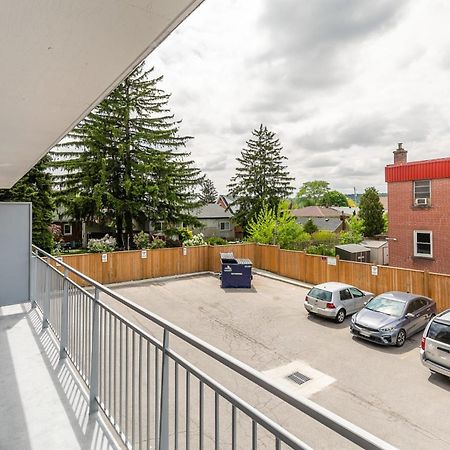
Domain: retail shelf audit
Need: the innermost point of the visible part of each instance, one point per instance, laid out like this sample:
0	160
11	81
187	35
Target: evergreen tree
125	162
261	178
371	211
35	187
208	192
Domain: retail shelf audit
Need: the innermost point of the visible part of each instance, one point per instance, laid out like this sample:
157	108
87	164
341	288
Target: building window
224	226
422	192
67	229
423	244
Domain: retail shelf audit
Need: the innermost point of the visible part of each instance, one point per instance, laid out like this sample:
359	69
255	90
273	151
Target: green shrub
141	240
321	249
157	243
214	240
310	227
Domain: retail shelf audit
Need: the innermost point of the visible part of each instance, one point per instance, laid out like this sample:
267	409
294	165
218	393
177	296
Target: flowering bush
197	239
105	244
141	240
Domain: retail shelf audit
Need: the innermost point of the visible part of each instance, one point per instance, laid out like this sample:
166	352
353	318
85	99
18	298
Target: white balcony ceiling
59	58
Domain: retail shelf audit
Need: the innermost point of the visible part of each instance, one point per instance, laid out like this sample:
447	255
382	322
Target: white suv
435	345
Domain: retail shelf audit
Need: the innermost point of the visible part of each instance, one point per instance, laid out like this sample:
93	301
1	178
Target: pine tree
208	193
261	178
371	211
36	187
125	161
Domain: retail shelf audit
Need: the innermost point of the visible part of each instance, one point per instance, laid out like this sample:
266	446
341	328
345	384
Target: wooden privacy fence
314	269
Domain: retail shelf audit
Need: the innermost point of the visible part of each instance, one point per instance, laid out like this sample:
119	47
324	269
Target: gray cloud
367	130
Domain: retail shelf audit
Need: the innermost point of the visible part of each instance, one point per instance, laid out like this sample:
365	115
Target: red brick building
419	213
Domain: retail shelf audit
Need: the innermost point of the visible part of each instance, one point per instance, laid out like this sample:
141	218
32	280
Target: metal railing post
64	318
93	392
164	416
46	299
33	280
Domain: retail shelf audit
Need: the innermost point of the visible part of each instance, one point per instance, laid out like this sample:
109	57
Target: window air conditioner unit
422	201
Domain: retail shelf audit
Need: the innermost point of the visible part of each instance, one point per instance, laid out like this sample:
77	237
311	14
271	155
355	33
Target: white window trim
414	191
421	255
64	229
227	225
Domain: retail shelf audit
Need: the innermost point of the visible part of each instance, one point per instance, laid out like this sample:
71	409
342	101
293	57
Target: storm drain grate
298	378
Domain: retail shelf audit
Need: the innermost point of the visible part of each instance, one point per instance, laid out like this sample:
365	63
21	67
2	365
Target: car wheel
401	338
340	316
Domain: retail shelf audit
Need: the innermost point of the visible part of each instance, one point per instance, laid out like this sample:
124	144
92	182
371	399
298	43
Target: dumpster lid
228	258
243	261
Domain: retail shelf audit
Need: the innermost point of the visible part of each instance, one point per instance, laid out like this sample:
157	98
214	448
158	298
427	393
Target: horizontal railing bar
336	423
253	413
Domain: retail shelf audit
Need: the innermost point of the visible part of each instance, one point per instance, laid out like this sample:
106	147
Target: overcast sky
341	82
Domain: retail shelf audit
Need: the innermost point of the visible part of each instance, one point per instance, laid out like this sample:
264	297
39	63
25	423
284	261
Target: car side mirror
409	315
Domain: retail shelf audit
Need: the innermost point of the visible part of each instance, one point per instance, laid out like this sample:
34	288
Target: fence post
64	318
164	417
426	283
338	272
46	298
93	391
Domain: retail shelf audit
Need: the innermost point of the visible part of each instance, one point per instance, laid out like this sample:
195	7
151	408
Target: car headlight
354	318
388	328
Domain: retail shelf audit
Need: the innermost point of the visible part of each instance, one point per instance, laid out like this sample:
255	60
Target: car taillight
422	343
330	306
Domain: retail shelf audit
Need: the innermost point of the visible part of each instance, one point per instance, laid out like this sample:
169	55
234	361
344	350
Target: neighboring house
225	202
76	232
216	221
419	213
346	210
329	219
379	251
384	201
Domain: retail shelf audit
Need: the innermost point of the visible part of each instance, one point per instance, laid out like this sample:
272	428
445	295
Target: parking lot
384	390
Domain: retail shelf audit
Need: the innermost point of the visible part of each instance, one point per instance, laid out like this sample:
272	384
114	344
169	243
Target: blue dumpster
235	272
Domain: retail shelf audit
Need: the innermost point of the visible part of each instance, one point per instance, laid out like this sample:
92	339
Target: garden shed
379	251
353	252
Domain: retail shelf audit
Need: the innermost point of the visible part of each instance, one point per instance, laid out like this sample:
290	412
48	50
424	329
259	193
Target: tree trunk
119	230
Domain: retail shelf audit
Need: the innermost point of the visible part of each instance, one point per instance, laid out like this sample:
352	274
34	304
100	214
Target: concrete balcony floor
43	403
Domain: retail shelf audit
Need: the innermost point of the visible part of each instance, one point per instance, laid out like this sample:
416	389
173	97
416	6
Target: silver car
335	300
435	345
390	318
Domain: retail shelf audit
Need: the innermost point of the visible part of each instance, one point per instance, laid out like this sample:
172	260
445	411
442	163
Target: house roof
373	244
322	223
212	211
418	170
315	211
347	210
353	248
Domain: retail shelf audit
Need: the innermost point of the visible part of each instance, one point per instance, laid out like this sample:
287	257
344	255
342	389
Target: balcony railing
153	396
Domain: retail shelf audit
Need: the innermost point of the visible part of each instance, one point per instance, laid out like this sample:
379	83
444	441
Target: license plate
364	333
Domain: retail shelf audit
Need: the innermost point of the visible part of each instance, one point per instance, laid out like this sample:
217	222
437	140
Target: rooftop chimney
400	155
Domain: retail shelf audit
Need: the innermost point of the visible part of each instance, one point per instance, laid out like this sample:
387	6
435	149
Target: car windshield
320	294
385	305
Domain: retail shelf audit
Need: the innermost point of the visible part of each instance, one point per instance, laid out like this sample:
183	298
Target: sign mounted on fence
104	257
331	261
143	254
374	270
